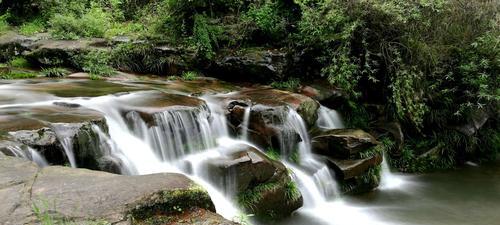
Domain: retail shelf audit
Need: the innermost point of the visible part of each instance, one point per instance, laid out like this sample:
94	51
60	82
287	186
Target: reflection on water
466	196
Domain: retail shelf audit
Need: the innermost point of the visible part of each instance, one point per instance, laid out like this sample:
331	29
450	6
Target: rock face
83	196
262	185
270	112
347	169
258	65
342	143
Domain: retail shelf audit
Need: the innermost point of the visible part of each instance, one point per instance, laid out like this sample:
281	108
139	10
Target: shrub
291	84
97	62
55	72
33	27
93	23
266	17
190	75
17	75
4	25
19	62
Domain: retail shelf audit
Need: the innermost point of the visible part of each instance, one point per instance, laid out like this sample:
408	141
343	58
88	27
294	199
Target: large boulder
272	114
256	65
342	143
83	196
263	186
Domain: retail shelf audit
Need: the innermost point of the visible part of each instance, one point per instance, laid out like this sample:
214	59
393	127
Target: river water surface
465	196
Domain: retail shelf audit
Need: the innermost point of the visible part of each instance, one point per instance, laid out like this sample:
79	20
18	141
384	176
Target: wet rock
262	185
245	168
342	143
269	113
52	128
83	196
256	65
347	169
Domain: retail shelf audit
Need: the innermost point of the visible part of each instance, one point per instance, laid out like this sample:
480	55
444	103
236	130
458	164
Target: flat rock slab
83	196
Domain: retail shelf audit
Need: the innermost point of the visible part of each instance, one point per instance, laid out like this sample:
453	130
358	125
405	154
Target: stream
184	140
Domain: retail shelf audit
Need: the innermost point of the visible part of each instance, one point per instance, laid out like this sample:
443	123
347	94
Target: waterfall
315	179
177	139
329	119
388	179
66	139
245	123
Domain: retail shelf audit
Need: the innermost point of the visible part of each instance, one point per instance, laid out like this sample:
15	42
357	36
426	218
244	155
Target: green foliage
33	27
14	74
4	25
55	72
97	63
265	17
94	22
19	62
250	197
291	84
292	192
190	75
273	154
205	36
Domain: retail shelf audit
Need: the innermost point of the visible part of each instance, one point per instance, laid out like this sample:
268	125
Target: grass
251	197
190	75
291	84
273	154
17	75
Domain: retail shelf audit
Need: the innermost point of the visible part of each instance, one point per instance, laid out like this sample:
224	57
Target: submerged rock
83	196
342	143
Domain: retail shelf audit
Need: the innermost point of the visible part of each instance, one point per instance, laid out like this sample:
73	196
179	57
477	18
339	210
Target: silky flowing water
182	139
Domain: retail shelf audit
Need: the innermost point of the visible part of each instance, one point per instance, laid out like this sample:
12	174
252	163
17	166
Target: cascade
329	119
245	123
62	133
29	154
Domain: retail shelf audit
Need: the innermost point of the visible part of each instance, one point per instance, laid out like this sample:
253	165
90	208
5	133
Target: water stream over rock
141	130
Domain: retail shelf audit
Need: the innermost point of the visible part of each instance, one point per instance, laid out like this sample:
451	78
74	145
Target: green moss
172	202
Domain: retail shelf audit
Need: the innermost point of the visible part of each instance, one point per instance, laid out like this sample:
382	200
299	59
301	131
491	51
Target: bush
97	63
55	72
4	25
33	27
19	62
93	23
291	84
190	75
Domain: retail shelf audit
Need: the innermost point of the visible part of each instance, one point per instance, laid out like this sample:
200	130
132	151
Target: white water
390	180
244	124
329	119
29	154
182	140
